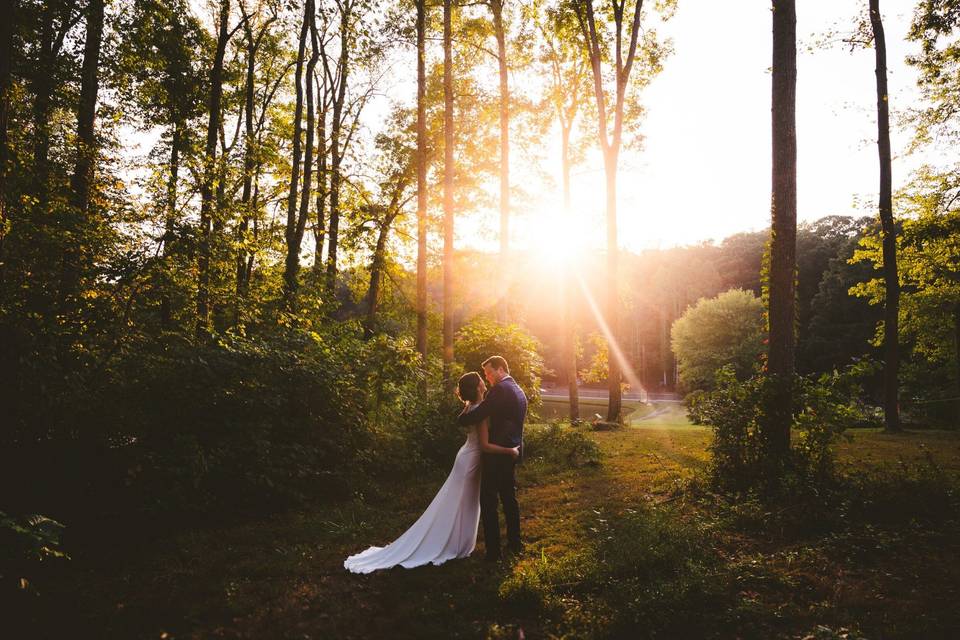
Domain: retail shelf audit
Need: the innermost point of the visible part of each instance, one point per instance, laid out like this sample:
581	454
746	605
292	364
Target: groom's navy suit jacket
506	406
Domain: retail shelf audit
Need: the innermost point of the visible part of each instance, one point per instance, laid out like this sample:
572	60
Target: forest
248	247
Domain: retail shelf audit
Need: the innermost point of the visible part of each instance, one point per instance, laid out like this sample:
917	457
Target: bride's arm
483	430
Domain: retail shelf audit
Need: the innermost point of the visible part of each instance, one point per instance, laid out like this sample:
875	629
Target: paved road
603	394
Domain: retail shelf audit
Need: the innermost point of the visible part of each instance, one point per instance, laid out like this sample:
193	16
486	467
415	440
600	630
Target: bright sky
705	170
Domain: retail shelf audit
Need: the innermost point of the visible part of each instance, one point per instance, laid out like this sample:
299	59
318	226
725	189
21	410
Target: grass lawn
283	578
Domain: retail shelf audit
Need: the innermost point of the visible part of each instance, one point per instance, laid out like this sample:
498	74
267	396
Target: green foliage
599	368
483	338
825	407
261	421
642	568
717	331
936	26
27	545
559	446
928	260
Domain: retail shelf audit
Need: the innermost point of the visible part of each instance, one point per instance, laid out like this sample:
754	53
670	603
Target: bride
448	528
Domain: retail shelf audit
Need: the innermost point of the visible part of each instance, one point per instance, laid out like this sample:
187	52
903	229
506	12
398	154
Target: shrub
643	568
560	446
715	331
823	409
483	338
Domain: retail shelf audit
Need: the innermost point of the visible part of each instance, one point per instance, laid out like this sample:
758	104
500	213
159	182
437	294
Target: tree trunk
6	53
249	161
782	298
610	146
291	229
321	181
376	271
42	89
166	313
956	346
421	183
448	174
891	311
292	267
615	405
82	178
87	112
336	155
570	286
497	9
207	202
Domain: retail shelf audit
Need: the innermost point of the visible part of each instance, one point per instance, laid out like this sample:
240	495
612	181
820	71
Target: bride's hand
515	452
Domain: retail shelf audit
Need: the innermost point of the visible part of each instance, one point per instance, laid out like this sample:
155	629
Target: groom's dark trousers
498	482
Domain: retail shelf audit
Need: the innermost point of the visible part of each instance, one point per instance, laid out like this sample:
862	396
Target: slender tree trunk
207	190
321	180
42	88
249	161
6	53
166	313
376	271
615	405
87	112
956	346
610	146
570	287
448	174
497	8
293	246
336	153
422	182
782	299
891	311
291	229
82	178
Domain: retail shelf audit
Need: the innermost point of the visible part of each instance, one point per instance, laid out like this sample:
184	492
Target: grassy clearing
618	549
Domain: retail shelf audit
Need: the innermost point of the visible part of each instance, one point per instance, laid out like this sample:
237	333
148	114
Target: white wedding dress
446	530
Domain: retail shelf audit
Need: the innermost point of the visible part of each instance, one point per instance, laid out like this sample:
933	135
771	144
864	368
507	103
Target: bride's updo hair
468	387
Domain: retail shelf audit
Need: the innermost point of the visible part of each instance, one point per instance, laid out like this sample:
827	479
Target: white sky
705	170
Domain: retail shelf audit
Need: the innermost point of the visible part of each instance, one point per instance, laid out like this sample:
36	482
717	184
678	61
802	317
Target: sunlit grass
283	576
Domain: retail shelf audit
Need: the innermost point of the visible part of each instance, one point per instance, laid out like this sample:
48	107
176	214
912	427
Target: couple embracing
483	475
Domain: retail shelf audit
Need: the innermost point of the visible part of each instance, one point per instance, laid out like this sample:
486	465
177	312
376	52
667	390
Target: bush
823	409
30	551
643	568
483	338
560	446
715	331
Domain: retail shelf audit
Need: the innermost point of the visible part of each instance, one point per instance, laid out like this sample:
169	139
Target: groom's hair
496	362
468	387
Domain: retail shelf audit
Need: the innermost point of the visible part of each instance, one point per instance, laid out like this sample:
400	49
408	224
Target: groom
506	406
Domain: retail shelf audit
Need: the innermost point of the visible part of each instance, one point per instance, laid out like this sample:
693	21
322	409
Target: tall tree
496	8
891	347
448	174
338	86
207	201
57	18
6	54
625	40
253	41
782	262
567	65
296	154
86	152
422	181
297	225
